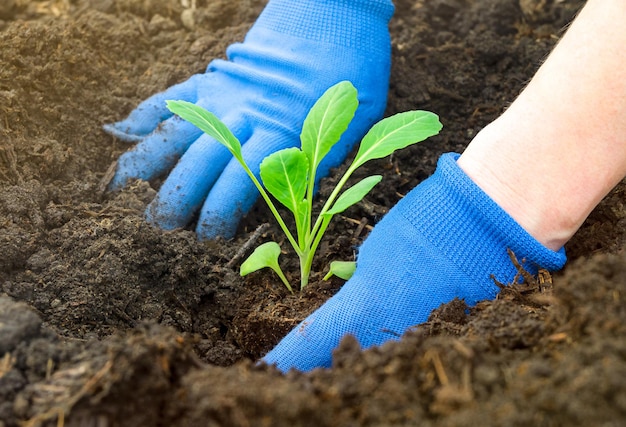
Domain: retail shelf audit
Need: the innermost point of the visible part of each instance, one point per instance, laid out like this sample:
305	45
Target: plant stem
280	274
307	260
309	199
314	236
305	270
329	202
273	209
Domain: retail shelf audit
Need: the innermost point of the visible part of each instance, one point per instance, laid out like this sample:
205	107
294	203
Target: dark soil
106	321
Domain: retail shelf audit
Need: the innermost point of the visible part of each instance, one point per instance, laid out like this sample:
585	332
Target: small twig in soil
531	284
6	364
249	243
521	271
106	179
60	410
358	223
123	316
359	229
449	395
433	357
9	158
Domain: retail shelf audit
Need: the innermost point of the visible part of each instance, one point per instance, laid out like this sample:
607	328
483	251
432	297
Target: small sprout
342	269
289	175
265	255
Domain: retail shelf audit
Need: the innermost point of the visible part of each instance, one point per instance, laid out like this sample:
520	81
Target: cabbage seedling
289	175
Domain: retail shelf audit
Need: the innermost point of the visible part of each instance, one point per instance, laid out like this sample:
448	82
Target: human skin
560	147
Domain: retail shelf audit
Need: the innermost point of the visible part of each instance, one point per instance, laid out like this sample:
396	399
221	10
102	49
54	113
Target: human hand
294	52
443	240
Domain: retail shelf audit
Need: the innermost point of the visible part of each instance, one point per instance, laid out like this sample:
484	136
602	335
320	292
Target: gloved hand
442	240
294	52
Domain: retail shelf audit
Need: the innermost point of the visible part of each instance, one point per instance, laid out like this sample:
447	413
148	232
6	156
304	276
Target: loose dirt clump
105	320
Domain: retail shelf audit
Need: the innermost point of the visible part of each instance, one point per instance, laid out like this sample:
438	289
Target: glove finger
187	186
146	117
155	154
234	194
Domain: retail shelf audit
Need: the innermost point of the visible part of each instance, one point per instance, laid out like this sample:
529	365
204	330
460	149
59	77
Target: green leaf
327	120
265	255
396	132
341	269
208	123
284	174
303	218
354	194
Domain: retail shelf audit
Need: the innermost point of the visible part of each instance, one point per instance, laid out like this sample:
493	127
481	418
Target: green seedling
289	175
342	269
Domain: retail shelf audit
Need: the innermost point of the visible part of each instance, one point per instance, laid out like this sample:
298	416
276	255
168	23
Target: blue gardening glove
443	240
294	52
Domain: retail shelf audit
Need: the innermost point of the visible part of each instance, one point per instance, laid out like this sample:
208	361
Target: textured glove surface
294	52
442	240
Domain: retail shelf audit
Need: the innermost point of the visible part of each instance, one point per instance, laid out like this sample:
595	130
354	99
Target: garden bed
107	321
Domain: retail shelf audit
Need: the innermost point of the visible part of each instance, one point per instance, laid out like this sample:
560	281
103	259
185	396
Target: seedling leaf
265	255
303	219
327	120
342	269
290	174
354	194
284	174
396	132
208	123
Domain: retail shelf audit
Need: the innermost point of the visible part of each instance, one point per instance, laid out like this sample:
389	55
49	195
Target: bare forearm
561	146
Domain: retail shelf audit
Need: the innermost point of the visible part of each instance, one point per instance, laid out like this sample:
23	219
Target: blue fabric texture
442	240
294	52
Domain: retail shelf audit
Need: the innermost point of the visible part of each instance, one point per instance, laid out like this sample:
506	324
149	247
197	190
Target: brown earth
105	321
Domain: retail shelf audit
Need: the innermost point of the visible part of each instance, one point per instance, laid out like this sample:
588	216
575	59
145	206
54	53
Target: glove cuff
359	24
468	221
